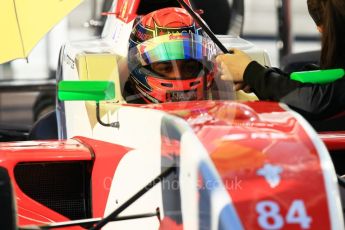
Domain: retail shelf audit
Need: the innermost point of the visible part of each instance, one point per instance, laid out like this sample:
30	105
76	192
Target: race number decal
270	217
297	215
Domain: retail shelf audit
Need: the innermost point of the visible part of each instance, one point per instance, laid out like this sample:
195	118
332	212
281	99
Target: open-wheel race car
212	163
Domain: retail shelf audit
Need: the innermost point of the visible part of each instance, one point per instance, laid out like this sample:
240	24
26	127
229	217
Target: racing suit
313	101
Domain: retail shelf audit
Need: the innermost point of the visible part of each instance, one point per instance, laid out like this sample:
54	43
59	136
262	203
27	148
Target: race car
208	164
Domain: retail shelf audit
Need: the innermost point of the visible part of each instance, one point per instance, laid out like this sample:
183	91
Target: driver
169	59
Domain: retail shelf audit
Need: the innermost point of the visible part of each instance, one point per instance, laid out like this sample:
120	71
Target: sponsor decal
271	173
143	34
163	30
178	36
188	95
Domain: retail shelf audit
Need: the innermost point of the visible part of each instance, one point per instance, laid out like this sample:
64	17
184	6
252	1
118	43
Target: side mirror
318	76
88	91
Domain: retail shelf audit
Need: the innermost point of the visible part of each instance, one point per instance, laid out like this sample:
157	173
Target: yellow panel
37	17
101	67
24	22
10	45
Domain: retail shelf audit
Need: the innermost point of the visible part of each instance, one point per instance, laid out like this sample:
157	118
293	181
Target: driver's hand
233	65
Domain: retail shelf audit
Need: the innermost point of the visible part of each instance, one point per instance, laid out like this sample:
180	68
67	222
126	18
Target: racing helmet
169	42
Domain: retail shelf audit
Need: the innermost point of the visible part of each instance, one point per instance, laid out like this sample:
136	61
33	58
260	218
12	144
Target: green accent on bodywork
86	90
318	76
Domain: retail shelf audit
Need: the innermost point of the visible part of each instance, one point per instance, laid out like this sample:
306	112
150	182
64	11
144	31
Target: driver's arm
314	101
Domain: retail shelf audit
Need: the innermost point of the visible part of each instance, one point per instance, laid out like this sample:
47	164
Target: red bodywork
241	138
77	149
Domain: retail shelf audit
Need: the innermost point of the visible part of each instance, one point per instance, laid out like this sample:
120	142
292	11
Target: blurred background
262	25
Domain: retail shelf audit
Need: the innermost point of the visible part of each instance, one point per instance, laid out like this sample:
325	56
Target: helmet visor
179	46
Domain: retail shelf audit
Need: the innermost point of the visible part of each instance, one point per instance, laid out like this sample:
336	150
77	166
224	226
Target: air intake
61	186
